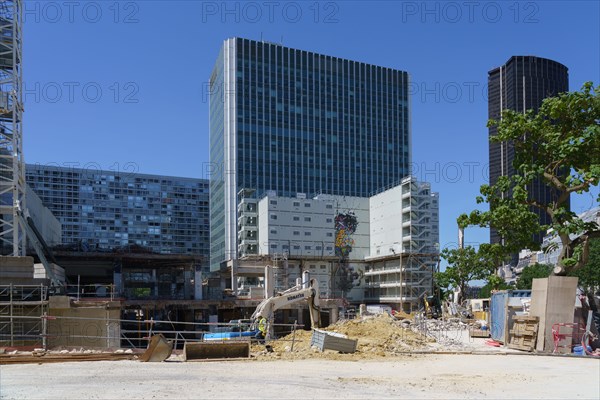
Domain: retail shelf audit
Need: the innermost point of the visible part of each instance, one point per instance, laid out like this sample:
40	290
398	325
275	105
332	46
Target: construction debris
332	341
216	350
159	349
46	357
377	336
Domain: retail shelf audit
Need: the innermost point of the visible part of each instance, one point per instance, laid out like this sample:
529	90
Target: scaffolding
12	162
22	308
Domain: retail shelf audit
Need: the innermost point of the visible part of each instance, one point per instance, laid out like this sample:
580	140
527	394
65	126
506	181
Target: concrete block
553	301
9	261
59	302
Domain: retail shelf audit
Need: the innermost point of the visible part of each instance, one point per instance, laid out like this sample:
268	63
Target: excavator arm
309	292
39	246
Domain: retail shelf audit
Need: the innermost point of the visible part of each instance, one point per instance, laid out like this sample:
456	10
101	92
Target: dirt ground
421	376
392	360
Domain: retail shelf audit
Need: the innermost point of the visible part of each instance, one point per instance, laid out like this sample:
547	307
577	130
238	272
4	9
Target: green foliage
562	150
465	265
589	274
533	271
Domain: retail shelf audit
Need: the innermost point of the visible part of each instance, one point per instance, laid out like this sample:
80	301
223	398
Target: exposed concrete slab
553	301
18	271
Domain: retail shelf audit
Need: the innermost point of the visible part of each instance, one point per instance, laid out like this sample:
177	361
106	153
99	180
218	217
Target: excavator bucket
214	349
159	349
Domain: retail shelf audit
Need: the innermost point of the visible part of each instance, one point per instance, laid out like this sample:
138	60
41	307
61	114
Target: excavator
236	342
308	291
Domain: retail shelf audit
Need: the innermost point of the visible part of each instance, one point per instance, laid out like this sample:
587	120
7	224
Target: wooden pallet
479	333
523	336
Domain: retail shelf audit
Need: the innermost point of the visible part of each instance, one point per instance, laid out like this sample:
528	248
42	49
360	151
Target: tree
562	150
465	265
533	271
589	274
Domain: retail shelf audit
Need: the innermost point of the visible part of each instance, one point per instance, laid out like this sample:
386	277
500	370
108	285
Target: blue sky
122	85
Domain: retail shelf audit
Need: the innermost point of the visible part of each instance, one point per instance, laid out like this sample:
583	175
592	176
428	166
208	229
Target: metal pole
12	322
294	336
108	330
78	281
44	332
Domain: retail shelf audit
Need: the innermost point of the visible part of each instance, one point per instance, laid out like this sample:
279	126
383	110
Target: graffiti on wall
345	226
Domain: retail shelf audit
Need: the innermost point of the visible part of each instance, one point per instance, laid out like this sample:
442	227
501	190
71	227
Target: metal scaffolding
12	162
21	310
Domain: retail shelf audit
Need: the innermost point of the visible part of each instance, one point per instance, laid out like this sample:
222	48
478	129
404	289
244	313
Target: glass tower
292	121
522	84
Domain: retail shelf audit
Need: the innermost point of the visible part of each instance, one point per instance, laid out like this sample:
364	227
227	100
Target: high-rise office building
521	84
293	121
104	210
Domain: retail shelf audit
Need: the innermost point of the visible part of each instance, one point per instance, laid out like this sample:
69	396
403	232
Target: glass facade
104	210
522	84
293	121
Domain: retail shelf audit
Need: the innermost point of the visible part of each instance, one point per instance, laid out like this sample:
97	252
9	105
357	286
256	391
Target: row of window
298	247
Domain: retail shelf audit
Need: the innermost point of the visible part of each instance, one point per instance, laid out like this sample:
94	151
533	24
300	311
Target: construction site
110	288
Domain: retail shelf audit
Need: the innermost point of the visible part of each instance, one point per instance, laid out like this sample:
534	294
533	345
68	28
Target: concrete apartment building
387	244
103	210
404	244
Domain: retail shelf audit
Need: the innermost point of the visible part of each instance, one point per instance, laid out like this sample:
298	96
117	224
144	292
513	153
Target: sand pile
378	336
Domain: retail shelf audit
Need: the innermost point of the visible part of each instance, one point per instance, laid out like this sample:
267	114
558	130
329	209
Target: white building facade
380	249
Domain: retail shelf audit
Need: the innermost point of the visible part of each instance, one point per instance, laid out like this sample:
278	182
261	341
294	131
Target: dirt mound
378	336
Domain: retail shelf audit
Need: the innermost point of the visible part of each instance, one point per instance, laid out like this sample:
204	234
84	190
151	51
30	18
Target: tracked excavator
236	342
308	291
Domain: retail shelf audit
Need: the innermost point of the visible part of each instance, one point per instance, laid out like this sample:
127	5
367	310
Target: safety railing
109	333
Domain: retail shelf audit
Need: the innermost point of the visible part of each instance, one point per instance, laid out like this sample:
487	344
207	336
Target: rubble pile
378	336
445	332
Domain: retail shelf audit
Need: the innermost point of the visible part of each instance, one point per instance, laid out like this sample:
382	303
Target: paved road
422	376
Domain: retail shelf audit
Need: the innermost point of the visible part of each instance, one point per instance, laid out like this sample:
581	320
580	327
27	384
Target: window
306	205
273	231
296	204
329	234
296	247
329	206
273	202
273	246
273	216
296	233
307	219
318	248
329	220
296	218
329	248
307	233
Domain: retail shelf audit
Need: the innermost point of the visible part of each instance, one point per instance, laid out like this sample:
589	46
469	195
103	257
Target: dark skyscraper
293	121
521	84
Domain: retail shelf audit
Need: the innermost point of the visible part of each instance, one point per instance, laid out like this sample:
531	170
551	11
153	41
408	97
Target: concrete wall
296	226
359	206
386	222
89	333
394	225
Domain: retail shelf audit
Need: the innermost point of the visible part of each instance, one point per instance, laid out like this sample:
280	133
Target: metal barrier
118	333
